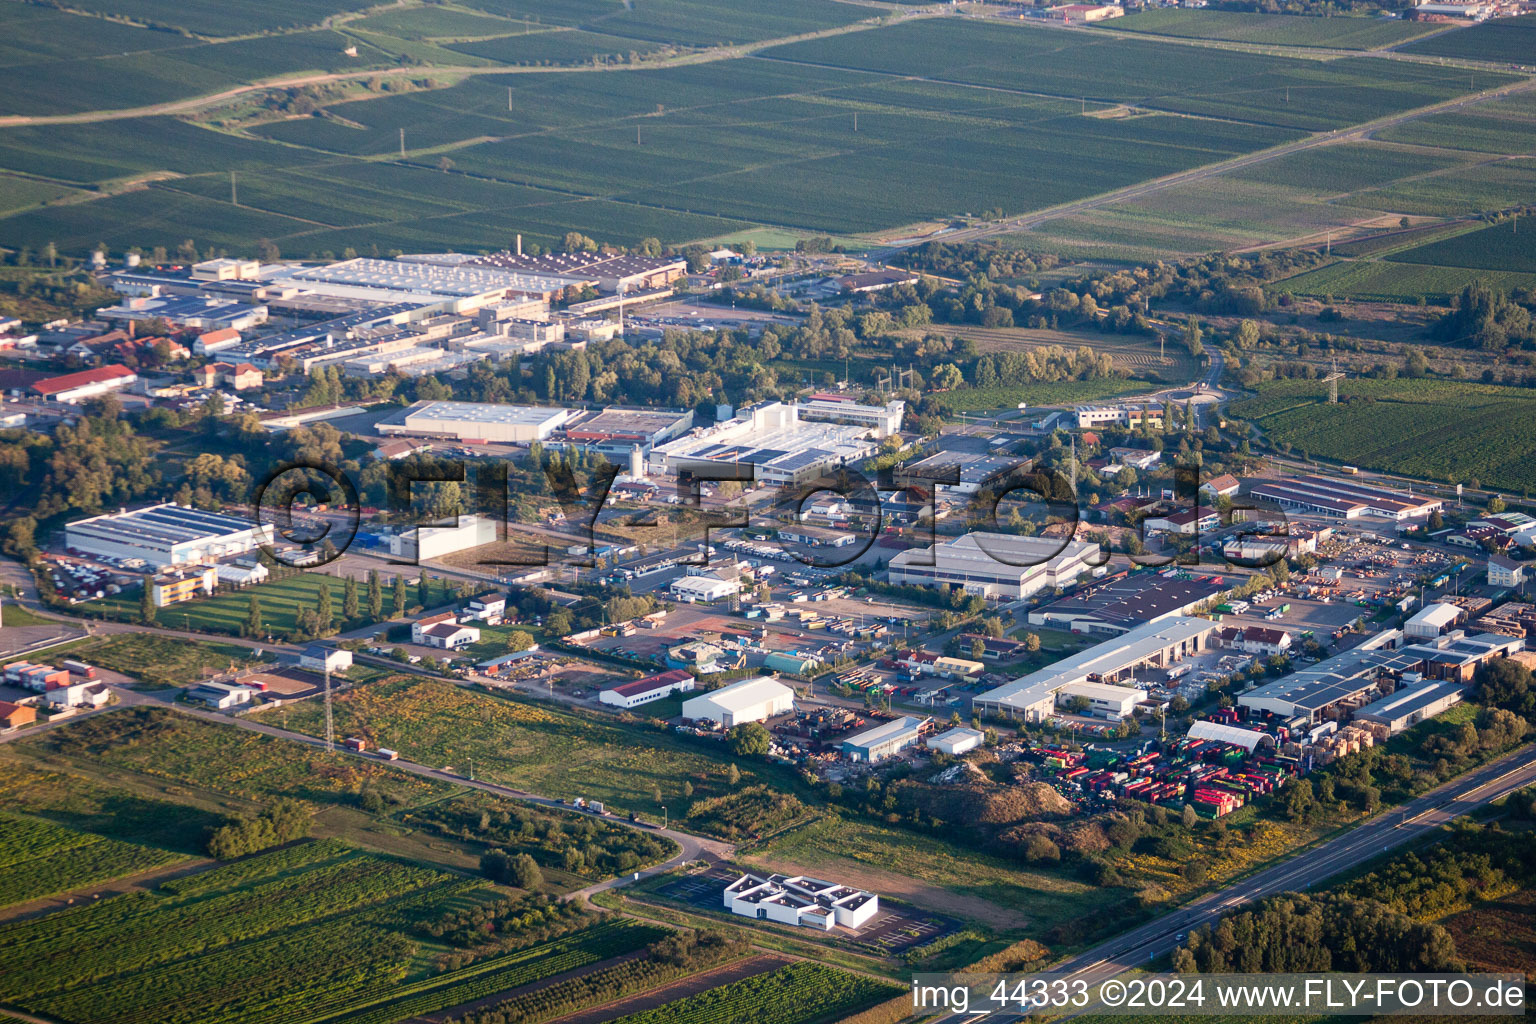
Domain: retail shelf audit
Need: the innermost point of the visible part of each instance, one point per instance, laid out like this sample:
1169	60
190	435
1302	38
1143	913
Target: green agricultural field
1504	40
88	153
129	79
1442	430
1285	91
21	193
1385	281
832	135
1457	193
1501	127
554	47
1502	247
436	22
797	994
39	858
541	748
166	745
310	932
217	18
1346	167
1273	29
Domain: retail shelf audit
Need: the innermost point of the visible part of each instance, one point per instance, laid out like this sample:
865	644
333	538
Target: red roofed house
14	716
1216	486
73	388
243	376
643	691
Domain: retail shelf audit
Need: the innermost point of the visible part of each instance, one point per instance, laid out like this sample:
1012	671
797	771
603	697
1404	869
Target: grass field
1503	40
161	660
535	746
931	873
1273	29
1435	429
166	745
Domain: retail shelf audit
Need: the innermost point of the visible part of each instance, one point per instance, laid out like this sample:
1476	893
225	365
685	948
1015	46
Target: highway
1305	869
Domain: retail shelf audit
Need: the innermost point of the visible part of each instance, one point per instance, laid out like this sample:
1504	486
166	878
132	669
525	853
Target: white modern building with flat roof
884	420
801	901
1103	698
166	535
478	421
957	741
1157	645
999	564
751	700
427	542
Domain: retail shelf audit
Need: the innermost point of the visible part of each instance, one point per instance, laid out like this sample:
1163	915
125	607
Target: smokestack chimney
519	245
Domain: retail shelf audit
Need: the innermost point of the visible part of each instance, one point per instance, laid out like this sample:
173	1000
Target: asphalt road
1303	870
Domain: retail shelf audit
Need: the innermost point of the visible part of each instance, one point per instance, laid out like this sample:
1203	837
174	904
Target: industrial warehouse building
1333	682
74	388
478	421
1125	601
166	535
998	564
770	442
617	431
1104	698
801	901
885	740
428	542
643	691
1432	620
1032	698
957	741
1343	499
1348	681
1407	707
751	700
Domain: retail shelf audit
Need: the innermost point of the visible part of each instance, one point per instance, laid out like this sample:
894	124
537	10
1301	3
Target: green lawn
226	612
